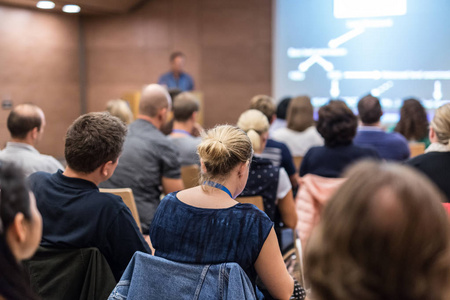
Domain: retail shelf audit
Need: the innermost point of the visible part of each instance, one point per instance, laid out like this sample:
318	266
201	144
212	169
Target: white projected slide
346	49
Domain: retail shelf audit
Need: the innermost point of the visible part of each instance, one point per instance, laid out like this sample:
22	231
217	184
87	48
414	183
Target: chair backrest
255	200
127	196
70	274
416	149
298	162
190	175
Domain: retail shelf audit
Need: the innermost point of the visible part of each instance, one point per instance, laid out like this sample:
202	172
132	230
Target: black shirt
332	161
76	214
436	166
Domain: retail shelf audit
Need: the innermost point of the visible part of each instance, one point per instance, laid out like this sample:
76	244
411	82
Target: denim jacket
152	277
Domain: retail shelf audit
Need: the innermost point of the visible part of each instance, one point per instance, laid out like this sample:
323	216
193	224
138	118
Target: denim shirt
151	277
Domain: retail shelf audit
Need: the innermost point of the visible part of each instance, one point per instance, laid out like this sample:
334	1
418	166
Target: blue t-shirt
390	146
280	156
76	214
188	234
332	161
184	82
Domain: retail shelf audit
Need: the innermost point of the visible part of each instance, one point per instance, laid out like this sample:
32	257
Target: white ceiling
87	6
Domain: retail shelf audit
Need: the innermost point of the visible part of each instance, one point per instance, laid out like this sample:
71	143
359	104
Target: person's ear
202	166
243	166
18	228
34	133
194	116
107	168
432	134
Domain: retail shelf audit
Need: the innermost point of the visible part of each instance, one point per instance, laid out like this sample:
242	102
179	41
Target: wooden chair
127	196
190	175
416	149
297	162
255	200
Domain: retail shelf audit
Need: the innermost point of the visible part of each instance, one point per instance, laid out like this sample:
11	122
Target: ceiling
87	6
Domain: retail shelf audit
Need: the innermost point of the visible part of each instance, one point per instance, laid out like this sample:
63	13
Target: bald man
26	124
149	159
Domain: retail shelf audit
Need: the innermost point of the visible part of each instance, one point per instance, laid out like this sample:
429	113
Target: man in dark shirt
75	213
149	160
390	146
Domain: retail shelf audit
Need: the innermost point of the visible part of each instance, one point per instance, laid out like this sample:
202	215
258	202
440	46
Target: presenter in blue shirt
176	78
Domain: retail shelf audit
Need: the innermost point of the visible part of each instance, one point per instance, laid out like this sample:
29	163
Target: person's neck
377	124
176	74
92	177
187	126
27	141
156	122
230	183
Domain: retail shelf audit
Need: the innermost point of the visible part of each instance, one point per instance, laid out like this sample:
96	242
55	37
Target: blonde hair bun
254	123
222	148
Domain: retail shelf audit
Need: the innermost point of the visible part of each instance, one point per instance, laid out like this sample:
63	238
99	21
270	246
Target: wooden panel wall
227	43
39	64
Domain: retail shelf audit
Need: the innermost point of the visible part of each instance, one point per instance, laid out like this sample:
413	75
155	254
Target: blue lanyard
181	131
218	186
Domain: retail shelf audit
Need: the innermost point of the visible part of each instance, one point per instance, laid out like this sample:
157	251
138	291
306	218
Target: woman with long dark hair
413	124
20	233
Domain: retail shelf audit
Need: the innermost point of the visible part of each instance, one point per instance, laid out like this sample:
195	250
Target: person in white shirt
300	133
26	124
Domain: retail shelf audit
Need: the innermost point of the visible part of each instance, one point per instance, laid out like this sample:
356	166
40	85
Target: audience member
277	152
300	133
120	108
26	124
280	121
383	236
413	124
20	232
337	124
185	109
212	226
390	146
176	78
149	159
167	127
435	163
75	213
265	179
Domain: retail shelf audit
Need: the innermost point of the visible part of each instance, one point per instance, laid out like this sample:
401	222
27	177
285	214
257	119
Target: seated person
390	146
277	152
74	212
265	179
26	123
337	124
205	225
383	236
185	109
121	109
20	232
300	133
435	163
281	114
413	123
149	159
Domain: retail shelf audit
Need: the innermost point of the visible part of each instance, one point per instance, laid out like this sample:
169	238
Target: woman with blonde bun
435	163
213	227
266	180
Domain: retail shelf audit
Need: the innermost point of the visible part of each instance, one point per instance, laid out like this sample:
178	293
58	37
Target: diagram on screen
362	17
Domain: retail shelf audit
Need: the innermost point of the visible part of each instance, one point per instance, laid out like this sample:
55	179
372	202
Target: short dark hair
337	123
184	106
369	109
92	140
20	123
175	55
282	108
